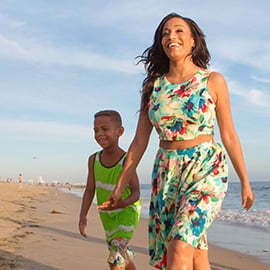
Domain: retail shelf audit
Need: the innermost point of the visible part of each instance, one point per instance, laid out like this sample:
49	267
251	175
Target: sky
61	61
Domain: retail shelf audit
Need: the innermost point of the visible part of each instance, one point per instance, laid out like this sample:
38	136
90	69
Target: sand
39	231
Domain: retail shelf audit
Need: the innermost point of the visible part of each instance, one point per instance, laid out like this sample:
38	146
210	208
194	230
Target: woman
181	99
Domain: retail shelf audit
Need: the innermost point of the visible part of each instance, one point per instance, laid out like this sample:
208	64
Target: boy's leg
130	266
115	267
120	254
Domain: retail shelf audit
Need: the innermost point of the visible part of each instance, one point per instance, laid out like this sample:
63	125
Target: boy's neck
110	156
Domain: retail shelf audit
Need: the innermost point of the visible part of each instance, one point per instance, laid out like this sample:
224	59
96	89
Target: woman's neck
181	72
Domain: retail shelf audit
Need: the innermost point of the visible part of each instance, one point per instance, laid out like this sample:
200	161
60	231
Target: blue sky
61	61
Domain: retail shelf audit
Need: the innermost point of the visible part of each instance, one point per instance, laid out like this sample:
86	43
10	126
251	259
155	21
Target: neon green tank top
119	222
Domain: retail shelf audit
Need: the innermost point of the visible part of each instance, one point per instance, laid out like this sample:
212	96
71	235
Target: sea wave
232	212
258	218
254	218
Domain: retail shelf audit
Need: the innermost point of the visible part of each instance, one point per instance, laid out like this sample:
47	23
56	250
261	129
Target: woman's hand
115	197
247	196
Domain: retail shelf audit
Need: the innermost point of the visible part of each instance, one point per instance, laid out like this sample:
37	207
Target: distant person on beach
181	98
104	168
20	178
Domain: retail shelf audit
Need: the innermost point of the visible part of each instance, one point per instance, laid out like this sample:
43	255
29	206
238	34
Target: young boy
104	168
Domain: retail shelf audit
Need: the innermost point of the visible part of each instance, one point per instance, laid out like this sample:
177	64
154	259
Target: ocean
232	211
235	228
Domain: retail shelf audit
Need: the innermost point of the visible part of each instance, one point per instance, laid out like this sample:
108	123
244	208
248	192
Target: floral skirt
188	187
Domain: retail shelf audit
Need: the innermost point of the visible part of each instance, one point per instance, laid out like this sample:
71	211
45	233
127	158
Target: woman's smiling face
177	41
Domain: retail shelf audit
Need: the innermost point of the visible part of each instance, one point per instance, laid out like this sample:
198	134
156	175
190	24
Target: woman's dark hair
156	62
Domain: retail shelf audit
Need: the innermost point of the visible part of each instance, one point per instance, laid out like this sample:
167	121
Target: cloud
257	97
253	96
52	132
12	49
259	79
8	22
254	53
37	131
35	54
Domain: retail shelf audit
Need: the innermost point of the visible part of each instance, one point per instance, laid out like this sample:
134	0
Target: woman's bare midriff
173	145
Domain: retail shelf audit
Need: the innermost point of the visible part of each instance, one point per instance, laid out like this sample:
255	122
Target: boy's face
107	132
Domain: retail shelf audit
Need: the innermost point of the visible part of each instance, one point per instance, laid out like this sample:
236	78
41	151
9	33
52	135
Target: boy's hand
107	206
82	226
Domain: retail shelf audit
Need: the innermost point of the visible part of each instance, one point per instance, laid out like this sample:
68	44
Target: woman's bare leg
200	260
179	255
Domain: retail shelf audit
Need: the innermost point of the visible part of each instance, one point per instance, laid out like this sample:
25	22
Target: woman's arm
219	91
134	187
135	153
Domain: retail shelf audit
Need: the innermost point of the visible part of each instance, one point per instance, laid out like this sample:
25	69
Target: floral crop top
182	111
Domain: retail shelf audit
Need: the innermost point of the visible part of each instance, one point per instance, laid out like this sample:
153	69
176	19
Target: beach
39	231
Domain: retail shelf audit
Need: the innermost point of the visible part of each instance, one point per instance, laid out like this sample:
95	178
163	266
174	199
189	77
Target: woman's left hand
247	196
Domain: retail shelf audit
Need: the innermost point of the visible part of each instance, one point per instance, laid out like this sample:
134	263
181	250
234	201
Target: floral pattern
182	111
188	188
120	251
189	185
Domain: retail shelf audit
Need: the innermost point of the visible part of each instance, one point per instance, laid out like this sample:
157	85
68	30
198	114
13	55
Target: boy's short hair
114	115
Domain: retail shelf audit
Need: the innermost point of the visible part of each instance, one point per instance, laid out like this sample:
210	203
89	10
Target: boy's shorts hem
120	252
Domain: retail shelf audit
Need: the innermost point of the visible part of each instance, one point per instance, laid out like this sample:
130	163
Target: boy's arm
132	198
87	196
